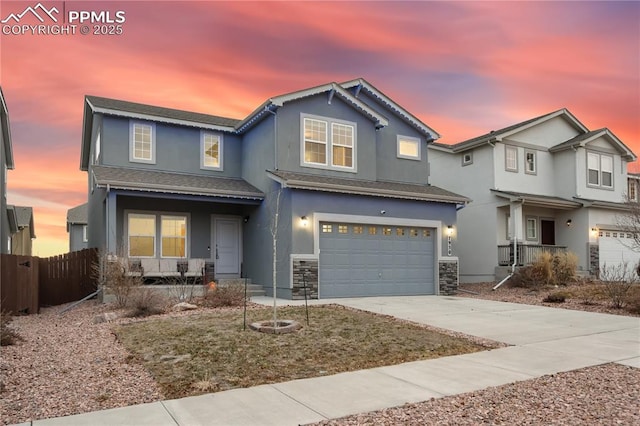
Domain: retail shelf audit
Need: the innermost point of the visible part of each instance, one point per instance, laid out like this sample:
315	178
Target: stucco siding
542	181
547	134
584	190
564	165
76	241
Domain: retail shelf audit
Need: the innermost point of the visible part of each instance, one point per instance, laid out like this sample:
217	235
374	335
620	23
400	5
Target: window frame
132	142
464	154
507	149
534	162
632	190
186	234
128	233
600	170
409	139
157	236
84	233
203	166
328	143
533	237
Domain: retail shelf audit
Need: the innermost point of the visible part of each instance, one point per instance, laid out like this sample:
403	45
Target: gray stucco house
6	162
546	184
342	167
77	227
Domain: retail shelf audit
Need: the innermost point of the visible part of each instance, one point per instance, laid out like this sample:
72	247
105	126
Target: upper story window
467	158
210	151
530	166
408	147
599	170
142	141
511	158
334	149
632	190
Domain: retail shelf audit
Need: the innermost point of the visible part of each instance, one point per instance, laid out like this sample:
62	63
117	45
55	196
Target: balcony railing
527	253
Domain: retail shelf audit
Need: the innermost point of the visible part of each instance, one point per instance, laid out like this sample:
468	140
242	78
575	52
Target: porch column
110	221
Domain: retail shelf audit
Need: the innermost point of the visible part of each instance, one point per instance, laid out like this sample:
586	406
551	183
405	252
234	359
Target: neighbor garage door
375	260
616	248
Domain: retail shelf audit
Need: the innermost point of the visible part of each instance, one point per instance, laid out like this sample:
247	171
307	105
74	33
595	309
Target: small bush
564	267
112	273
547	270
145	301
181	290
8	336
617	281
590	294
228	295
556	297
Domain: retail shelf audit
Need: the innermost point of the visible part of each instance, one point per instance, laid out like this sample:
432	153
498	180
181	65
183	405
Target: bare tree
629	222
274	238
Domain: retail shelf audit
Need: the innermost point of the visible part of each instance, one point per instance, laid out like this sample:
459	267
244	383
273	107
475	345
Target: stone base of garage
449	277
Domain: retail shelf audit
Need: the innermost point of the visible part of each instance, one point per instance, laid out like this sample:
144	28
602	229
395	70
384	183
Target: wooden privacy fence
29	283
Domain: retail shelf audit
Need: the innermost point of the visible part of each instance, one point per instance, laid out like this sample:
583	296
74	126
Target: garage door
375	260
615	248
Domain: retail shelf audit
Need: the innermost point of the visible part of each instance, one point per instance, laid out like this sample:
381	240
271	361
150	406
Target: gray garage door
375	260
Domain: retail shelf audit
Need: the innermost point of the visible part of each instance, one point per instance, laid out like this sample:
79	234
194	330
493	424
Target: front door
226	247
548	233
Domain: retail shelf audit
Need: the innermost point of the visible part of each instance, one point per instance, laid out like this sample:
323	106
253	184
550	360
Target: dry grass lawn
211	352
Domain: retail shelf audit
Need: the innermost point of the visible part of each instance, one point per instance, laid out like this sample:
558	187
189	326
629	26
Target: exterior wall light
304	221
568	222
450	230
594	232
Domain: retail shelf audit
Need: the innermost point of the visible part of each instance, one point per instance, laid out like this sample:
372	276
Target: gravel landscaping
67	364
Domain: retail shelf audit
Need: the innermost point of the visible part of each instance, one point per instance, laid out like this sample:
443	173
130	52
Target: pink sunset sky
464	68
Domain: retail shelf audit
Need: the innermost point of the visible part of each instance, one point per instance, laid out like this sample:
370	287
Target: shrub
556	297
180	289
633	300
617	281
8	336
564	267
112	274
228	295
590	293
547	270
145	301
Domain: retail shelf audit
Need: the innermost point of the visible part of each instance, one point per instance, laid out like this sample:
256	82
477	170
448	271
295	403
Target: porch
527	253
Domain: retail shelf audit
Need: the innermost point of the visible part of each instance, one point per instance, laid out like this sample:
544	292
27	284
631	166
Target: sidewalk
545	341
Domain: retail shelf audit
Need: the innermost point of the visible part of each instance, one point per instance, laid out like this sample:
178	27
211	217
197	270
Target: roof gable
20	218
584	139
332	89
360	84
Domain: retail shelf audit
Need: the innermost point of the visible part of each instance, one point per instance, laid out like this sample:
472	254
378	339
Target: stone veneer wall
448	277
305	270
594	259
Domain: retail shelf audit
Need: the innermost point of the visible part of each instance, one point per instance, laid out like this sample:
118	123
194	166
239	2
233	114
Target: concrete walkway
545	341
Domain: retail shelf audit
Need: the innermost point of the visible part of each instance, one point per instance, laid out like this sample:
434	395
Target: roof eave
183	190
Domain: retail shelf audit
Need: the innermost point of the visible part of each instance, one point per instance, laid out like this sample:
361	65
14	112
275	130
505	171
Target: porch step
252	289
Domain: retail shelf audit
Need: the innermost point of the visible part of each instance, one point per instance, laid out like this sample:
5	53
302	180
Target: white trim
220	137
600	183
534	162
84	234
526	228
157	246
409	139
508	148
132	157
464	154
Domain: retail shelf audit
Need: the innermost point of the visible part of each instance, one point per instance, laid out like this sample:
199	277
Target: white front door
226	246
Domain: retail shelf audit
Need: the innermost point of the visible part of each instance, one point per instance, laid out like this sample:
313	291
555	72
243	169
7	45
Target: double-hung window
210	151
511	158
149	234
174	236
599	170
632	190
530	162
328	143
142	235
532	228
142	142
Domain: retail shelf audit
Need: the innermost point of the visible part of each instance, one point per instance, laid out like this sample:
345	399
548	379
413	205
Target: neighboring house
22	230
77	227
342	167
6	162
548	183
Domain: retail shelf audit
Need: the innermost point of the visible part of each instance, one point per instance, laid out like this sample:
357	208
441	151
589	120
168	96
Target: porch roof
363	187
539	200
609	205
174	183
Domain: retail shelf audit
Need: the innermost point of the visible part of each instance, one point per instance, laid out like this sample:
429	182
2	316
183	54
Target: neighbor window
408	147
84	234
142	235
600	170
142	143
326	148
511	158
467	158
210	151
532	228
530	162
174	236
631	193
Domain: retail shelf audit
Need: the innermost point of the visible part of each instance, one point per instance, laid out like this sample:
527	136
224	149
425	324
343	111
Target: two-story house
77	227
545	184
331	181
6	162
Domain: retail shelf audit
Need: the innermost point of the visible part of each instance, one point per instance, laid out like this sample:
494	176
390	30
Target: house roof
608	205
78	214
582	140
96	104
334	89
174	183
498	135
362	84
363	187
23	217
538	200
6	131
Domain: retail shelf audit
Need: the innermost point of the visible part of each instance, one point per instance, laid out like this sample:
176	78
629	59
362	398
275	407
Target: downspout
515	257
